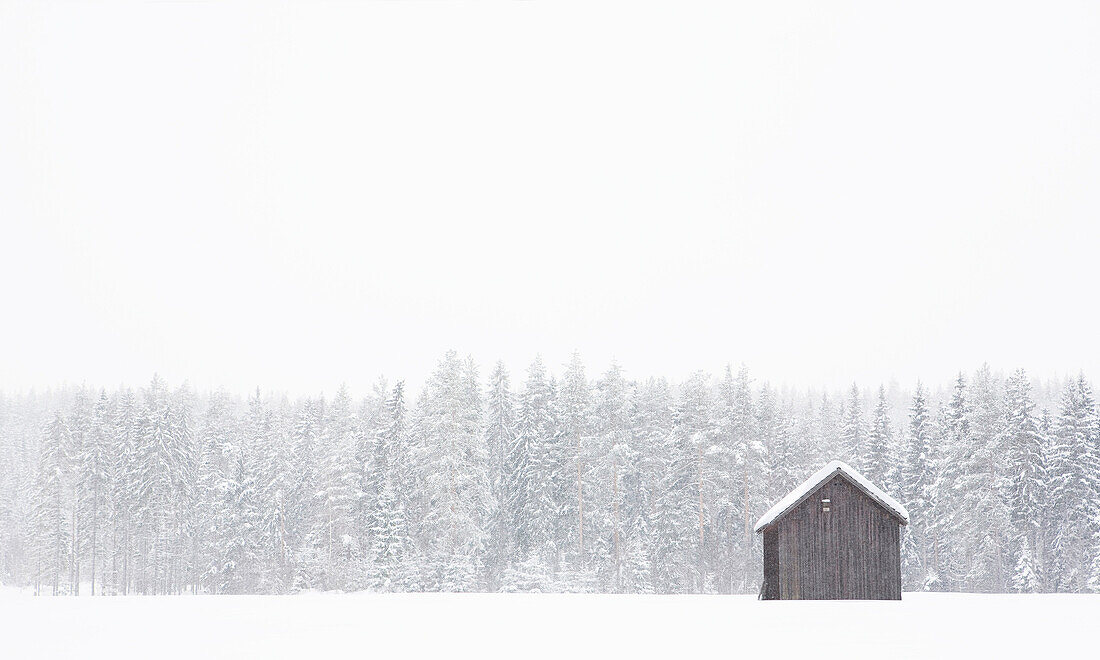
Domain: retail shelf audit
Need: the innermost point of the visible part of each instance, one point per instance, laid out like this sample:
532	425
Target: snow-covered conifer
1027	481
918	481
878	459
853	435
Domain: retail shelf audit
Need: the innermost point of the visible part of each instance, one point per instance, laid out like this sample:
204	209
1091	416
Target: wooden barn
837	536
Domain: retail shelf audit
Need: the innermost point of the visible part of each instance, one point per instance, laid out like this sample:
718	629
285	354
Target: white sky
298	194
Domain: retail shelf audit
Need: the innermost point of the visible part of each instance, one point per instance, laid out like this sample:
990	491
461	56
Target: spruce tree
452	472
500	434
918	480
1073	489
577	480
877	460
950	520
51	547
695	433
853	435
94	461
1027	482
533	468
651	427
613	466
983	486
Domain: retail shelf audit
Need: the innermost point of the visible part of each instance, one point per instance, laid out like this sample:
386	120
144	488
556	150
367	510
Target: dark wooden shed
837	536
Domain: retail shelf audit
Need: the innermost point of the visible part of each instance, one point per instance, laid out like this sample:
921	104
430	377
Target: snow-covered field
531	625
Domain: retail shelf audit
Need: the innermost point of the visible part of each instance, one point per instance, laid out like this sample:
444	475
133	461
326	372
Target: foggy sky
298	195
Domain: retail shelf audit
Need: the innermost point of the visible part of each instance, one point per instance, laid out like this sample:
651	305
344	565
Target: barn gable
808	487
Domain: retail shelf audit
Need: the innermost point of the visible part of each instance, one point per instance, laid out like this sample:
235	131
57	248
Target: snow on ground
923	626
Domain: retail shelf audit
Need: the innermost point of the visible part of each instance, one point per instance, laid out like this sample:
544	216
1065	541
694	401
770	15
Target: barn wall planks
770	589
852	551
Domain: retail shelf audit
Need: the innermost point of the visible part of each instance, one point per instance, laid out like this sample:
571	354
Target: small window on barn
826	505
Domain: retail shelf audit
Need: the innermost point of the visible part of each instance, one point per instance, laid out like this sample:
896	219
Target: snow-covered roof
820	477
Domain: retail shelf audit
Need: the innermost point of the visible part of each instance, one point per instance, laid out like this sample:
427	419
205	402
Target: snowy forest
555	482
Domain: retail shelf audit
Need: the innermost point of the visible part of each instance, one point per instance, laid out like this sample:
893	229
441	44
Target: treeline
560	484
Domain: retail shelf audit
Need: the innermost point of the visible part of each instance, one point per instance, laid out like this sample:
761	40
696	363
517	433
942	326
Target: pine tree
828	427
127	485
651	429
239	519
853	435
534	467
783	466
613	467
1073	489
304	520
748	471
728	453
695	433
394	454
453	473
339	482
1025	579
157	460
500	436
391	478
983	487
392	550
878	463
950	519
577	478
264	460
50	516
637	567
672	519
373	419
184	486
775	458
79	425
918	480
92	466
1047	530
278	470
1027	480
217	448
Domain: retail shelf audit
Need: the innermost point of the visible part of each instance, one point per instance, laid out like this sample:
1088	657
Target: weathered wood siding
851	552
771	565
